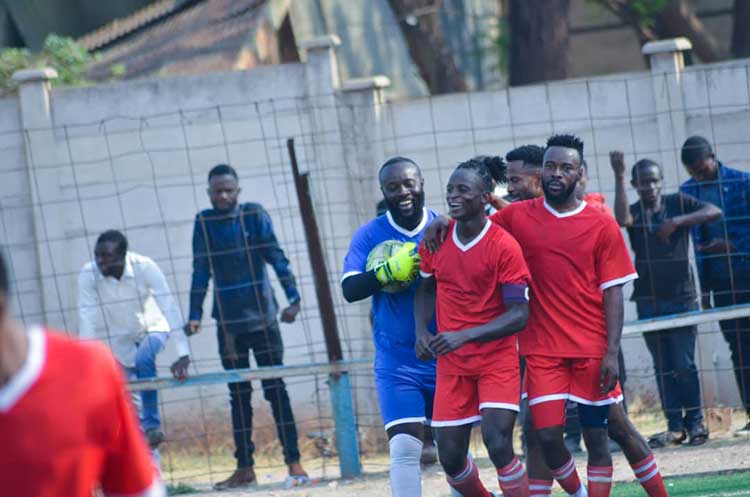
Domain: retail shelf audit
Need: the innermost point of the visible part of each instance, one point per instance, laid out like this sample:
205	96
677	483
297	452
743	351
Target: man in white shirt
124	286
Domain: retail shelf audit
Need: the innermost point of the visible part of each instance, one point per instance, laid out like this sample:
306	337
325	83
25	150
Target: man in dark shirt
658	227
722	250
232	244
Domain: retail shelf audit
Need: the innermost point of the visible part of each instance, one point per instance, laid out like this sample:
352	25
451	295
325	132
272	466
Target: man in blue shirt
722	249
232	244
405	385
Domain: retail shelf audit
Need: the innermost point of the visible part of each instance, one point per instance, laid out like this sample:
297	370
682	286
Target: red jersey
598	201
469	292
572	257
67	426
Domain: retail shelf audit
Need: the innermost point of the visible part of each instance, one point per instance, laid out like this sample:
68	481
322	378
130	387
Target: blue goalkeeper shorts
406	389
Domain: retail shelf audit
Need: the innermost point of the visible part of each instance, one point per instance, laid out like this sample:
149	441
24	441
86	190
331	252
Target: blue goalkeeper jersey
393	313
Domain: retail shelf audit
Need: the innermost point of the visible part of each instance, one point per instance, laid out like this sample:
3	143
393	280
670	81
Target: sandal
698	436
665	439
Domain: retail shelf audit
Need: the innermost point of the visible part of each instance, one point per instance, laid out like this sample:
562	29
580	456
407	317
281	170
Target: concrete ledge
27	75
359	84
666	46
319	42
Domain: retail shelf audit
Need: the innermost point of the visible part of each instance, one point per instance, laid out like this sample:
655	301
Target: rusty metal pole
341	396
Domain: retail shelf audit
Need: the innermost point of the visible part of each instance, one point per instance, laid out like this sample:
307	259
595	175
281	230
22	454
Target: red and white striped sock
567	477
599	480
540	488
467	482
648	474
514	481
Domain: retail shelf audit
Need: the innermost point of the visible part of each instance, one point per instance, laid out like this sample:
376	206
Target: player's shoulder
501	238
77	355
373	228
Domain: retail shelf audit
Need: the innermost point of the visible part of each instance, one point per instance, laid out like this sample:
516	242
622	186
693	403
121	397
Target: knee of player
550	436
619	432
405	449
451	459
498	442
597	443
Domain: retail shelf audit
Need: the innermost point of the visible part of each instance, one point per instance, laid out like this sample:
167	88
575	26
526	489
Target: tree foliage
67	57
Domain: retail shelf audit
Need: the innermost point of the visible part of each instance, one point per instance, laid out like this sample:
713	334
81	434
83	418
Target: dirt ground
722	453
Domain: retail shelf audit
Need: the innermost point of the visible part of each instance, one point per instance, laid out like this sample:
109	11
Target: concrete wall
134	156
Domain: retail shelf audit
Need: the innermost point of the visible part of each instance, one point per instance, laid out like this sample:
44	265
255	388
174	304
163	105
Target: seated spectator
658	227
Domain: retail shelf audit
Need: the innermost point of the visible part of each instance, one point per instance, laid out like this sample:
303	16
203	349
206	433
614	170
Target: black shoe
698	435
155	437
743	432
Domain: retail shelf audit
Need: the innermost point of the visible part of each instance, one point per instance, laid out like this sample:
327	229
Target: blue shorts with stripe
406	388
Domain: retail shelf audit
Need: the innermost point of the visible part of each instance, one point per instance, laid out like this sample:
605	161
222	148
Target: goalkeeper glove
401	266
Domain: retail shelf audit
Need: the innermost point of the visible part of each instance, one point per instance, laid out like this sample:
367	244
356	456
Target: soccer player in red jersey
66	424
578	262
479	279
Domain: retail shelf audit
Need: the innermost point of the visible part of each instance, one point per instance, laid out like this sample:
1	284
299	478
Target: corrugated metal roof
126	25
207	36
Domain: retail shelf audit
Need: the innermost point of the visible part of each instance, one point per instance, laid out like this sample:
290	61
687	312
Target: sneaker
242	477
155	437
744	431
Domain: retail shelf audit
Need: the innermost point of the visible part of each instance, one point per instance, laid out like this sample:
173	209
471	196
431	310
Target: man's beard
396	212
558	198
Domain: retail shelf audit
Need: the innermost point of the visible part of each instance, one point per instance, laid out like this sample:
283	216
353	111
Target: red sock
540	488
567	477
600	480
514	481
648	474
467	482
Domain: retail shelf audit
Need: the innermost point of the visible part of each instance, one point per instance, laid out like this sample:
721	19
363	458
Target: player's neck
569	204
409	223
14	347
468	229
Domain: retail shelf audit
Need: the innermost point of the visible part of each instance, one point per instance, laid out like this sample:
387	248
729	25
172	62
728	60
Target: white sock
406	476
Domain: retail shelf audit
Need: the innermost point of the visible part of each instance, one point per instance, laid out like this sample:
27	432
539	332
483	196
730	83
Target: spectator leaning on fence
66	425
119	283
722	250
659	230
232	244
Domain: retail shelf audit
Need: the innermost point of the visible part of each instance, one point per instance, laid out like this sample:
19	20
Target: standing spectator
722	250
119	283
658	226
232	244
65	421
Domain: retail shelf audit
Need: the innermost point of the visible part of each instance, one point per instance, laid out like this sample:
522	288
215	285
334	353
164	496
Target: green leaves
67	57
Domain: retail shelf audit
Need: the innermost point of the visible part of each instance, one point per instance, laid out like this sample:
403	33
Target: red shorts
460	398
550	381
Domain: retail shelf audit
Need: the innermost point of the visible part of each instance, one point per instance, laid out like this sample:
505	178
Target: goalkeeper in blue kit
405	385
